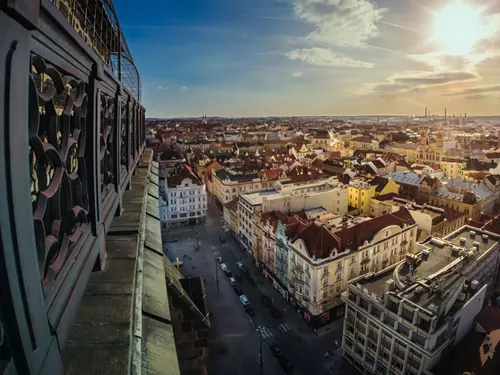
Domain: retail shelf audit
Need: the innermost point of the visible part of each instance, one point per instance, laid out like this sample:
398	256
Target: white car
239	265
244	300
223	266
232	281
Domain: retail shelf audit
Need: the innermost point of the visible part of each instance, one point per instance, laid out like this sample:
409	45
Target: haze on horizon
315	57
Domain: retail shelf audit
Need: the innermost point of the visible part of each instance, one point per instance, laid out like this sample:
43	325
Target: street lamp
216	274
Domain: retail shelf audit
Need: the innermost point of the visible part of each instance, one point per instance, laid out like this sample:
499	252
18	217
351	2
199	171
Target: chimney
465	115
445	114
425	111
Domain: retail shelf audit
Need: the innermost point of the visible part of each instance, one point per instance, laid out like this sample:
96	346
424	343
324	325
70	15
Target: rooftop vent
455	251
437	242
472	233
463	240
425	253
461	297
485	237
389	285
476	244
474	285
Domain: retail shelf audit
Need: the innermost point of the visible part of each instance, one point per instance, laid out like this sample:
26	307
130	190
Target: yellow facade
360	197
390	187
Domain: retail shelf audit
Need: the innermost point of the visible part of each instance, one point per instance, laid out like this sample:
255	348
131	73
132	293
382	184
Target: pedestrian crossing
270	332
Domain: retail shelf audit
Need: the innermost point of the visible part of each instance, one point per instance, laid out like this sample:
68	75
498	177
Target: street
234	341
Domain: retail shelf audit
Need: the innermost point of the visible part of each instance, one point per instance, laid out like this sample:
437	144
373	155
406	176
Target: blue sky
314	57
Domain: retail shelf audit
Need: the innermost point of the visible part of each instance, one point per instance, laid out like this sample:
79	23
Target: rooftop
405	177
256	198
416	277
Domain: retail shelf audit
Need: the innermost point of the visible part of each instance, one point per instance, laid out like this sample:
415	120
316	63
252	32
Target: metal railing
72	136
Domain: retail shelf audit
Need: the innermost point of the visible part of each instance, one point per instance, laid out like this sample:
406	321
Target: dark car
242	267
238	290
222	239
285	365
238	277
228	272
249	310
275	348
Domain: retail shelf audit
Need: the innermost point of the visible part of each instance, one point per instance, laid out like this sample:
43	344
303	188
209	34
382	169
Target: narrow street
234	341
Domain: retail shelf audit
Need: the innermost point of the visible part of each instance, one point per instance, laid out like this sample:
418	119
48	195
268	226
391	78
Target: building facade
186	199
405	319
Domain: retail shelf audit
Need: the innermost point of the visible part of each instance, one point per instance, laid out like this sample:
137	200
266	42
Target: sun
459	26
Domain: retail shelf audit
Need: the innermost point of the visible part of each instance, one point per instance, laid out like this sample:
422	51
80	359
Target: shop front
276	283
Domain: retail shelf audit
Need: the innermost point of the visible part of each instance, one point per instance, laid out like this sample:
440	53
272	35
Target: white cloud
343	23
433	78
184	87
475	92
161	87
297	74
325	57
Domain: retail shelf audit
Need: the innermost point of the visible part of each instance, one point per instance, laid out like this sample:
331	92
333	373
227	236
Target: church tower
423	139
439	140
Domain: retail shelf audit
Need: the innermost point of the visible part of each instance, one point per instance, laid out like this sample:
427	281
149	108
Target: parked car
228	273
276	350
219	260
285	365
232	281
244	300
223	266
222	239
238	277
241	267
249	310
172	239
237	290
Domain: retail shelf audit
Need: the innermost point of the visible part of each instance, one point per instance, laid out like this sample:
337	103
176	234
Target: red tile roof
355	236
187	172
320	242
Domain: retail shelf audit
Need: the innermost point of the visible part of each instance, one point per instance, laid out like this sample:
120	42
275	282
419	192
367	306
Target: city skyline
315	57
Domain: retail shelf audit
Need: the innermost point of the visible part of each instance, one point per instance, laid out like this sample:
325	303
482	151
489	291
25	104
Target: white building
186	199
287	197
404	319
323	258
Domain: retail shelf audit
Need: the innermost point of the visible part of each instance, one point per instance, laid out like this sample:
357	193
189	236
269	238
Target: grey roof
408	178
481	190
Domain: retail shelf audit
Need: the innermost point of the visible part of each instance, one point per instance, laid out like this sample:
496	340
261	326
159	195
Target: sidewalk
294	320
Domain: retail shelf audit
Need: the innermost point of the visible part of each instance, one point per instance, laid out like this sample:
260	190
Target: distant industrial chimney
445	114
425	111
465	115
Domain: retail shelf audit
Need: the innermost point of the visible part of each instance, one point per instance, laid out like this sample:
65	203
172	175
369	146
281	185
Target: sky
241	58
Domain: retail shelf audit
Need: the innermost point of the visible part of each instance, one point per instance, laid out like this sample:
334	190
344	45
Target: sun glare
459	26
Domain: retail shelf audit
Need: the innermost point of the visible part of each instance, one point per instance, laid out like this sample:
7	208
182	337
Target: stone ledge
159	349
96	360
117	330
